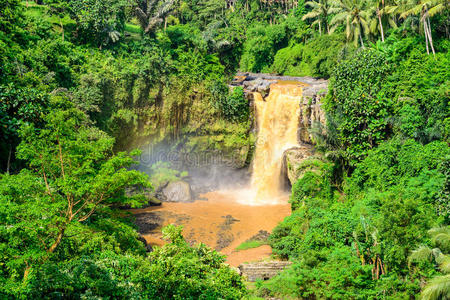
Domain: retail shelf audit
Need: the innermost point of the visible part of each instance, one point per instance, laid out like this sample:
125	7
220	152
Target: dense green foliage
83	82
358	104
357	219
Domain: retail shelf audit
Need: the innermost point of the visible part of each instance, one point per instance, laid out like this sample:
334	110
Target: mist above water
277	124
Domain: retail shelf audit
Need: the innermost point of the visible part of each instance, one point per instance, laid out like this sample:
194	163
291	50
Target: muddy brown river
222	222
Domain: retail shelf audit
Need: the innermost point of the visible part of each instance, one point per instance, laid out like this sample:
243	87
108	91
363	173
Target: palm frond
437	288
441	237
416	10
334	10
339	18
373	26
445	264
165	8
436	9
312	4
421	254
141	16
310	15
392	23
365	26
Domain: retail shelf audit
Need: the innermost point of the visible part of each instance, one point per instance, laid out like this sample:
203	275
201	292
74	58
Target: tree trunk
62	28
320	29
430	37
8	163
57	241
426	36
361	40
381	25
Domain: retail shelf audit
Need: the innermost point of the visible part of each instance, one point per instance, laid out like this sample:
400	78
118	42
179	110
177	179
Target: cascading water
277	119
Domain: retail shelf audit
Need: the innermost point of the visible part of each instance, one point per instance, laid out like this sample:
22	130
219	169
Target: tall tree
321	10
151	13
73	175
426	9
378	6
355	16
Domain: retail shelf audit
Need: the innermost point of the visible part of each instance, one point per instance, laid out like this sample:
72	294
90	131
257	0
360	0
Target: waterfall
277	121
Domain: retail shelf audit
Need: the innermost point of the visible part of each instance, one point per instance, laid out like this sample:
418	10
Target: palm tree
394	9
321	9
151	13
356	18
379	9
438	287
426	9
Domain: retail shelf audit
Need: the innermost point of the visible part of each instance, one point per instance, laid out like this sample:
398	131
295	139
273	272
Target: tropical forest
225	149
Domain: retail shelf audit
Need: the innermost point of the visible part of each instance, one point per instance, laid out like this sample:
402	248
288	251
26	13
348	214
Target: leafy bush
419	86
325	274
177	271
261	46
356	103
235	107
174	271
386	207
99	21
317	57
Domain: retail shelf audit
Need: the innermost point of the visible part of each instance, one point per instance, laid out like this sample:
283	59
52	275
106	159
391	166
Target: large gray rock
177	191
293	158
148	193
298	161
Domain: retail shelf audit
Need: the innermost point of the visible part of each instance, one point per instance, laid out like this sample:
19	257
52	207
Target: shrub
357	105
235	107
317	57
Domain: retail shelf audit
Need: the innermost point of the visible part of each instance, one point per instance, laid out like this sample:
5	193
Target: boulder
258	85
177	191
148	193
293	159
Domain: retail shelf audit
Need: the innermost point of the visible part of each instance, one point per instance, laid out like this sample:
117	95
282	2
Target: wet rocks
148	222
262	270
177	191
224	235
260	85
262	236
151	222
148	193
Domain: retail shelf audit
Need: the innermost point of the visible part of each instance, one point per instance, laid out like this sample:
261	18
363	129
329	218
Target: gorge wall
216	153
